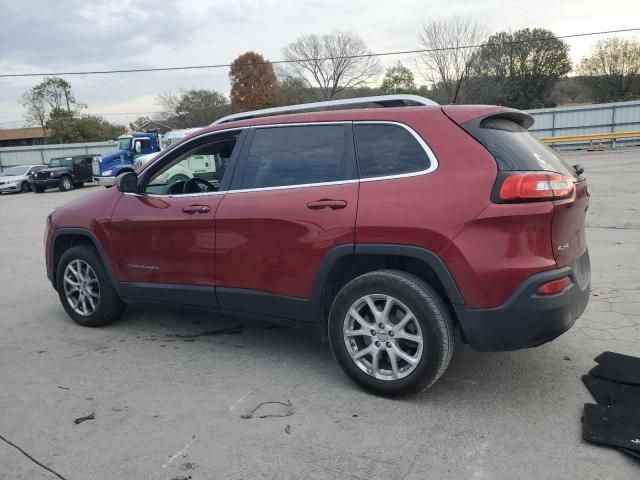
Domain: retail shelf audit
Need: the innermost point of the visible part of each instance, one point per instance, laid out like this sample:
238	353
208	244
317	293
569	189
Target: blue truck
107	167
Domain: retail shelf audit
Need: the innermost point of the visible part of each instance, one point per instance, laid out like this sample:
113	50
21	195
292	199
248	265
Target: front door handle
327	204
191	209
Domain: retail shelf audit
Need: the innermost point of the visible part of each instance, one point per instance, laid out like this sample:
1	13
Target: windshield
15	171
124	143
60	162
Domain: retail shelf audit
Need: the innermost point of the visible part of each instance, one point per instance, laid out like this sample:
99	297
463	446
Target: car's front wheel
65	184
24	187
391	332
85	289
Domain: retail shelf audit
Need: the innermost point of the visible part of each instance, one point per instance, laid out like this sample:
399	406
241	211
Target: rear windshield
514	148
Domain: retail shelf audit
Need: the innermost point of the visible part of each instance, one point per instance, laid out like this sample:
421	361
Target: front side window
386	149
298	155
197	170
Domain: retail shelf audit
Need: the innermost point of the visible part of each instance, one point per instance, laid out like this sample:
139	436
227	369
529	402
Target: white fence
38	154
585	119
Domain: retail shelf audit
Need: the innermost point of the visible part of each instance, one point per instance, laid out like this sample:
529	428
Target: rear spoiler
461	114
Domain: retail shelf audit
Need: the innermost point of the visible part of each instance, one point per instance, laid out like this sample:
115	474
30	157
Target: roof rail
381	100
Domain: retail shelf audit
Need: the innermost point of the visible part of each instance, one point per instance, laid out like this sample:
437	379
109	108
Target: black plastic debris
91	416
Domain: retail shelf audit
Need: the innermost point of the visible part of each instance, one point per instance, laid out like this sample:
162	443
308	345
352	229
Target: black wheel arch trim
68	231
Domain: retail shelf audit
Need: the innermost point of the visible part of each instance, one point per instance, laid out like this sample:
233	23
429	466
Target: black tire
65	184
39	189
109	305
430	312
24	187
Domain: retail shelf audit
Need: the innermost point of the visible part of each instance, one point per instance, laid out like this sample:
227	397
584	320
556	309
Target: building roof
21	133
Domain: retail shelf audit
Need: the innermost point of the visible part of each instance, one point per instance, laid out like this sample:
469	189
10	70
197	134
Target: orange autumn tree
253	83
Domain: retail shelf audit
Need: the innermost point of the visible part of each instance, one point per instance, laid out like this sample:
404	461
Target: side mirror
578	168
137	146
127	182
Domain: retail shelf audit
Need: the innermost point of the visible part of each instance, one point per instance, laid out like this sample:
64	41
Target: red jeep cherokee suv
388	228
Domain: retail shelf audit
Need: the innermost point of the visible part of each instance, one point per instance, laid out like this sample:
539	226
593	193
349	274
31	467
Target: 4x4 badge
562	248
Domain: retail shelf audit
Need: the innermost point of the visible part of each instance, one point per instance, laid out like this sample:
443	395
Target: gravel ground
168	395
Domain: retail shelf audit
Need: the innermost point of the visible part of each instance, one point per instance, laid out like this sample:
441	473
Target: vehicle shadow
511	378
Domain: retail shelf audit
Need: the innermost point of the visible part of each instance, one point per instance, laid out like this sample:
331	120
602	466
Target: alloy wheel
383	337
81	287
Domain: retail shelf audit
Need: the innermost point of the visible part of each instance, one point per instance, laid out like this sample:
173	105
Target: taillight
535	186
555	286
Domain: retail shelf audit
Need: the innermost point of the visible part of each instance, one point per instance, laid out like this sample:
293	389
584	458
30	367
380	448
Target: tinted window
388	150
514	148
299	155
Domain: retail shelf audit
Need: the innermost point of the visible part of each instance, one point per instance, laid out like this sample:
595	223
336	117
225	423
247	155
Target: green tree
253	83
519	68
398	79
66	127
51	96
193	108
612	71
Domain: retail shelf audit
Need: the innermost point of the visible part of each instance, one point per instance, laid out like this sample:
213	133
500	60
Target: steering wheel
195	184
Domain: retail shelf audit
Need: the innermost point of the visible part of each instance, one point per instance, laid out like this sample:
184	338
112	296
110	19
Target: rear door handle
327	204
191	209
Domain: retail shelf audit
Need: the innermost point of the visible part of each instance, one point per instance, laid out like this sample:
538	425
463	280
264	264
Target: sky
72	35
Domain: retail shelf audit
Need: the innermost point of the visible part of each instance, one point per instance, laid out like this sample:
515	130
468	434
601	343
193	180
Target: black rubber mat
608	393
612	426
635	455
618	368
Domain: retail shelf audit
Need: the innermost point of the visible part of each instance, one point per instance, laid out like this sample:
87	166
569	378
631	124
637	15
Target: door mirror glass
127	182
137	147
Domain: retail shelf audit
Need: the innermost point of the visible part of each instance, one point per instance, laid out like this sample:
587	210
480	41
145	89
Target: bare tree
613	69
446	65
328	64
37	109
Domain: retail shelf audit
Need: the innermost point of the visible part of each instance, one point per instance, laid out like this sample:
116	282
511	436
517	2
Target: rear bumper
528	319
104	181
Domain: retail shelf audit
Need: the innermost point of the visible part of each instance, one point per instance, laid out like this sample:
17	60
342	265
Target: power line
276	62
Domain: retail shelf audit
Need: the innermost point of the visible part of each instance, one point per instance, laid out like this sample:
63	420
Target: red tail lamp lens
536	186
555	286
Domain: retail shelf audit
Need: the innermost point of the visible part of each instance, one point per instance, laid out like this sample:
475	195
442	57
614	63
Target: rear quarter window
515	149
385	150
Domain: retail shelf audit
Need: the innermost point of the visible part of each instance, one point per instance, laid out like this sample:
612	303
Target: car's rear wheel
391	332
85	289
24	187
65	184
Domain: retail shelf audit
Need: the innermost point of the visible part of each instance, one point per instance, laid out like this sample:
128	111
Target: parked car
16	179
63	173
386	228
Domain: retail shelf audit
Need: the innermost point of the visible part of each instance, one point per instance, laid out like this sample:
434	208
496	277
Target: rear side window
515	149
298	155
384	150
